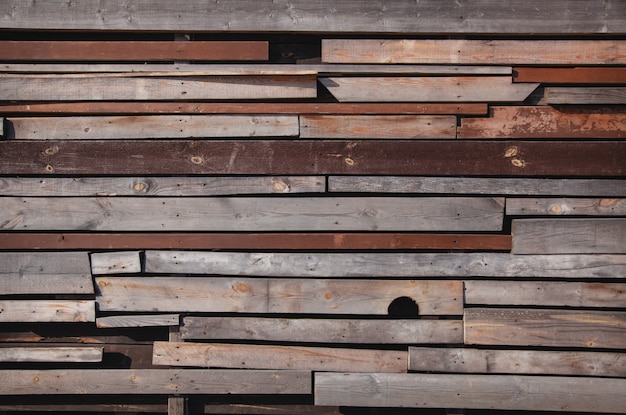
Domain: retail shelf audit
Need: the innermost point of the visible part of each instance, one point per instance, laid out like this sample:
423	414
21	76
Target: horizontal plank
474	52
585	95
153	382
411	265
156	126
507	392
540	293
74	407
318	330
51	354
315	157
551	328
252	214
259	295
546	122
569	236
269	409
582	75
427	89
47	311
279	357
142	320
566	206
519	362
115	262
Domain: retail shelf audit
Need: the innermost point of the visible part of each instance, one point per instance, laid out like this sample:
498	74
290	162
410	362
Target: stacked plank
237	208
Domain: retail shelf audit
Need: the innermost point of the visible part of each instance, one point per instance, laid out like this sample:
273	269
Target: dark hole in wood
404	307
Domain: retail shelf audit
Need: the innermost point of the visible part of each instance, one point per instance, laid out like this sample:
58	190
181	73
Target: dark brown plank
514	158
603	75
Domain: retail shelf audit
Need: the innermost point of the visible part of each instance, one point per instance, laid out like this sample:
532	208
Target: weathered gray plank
530	393
250	214
115	262
566	206
153	381
585	95
176	405
535	362
427	89
51	354
47	311
542	327
306	330
569	236
477	185
142	320
278	357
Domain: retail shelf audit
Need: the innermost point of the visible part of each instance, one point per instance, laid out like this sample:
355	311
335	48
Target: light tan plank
47	311
585	95
176	405
142	320
51	354
566	206
115	262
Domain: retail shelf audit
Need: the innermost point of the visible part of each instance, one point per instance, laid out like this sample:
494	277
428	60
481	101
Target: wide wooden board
47	311
566	206
585	95
51	354
597	75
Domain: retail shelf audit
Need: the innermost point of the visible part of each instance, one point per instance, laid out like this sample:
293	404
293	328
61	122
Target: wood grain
143	320
585	95
47	311
598	75
115	262
51	354
566	206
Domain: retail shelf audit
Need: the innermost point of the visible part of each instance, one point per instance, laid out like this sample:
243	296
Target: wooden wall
313	207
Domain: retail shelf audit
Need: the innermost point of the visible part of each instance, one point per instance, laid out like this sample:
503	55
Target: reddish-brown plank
607	75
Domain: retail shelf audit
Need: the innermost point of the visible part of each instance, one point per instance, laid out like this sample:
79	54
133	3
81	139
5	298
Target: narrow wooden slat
252	214
552	328
115	263
368	126
546	122
47	311
314	157
571	236
270	409
476	52
568	294
155	320
176	405
51	354
427	89
566	206
535	362
528	393
306	330
245	356
585	95
83	407
153	382
583	75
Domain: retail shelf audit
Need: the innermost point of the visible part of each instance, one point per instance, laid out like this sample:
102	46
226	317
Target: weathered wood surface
13	404
157	126
142	320
260	295
599	75
428	17
427	89
314	157
153	381
569	236
115	262
176	405
270	409
546	122
585	95
279	357
47	311
540	293
411	265
474	52
535	362
508	392
252	214
44	272
369	126
307	330
566	206
477	185
51	354
59	87
542	327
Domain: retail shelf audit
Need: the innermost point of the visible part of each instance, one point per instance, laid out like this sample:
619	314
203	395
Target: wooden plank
279	357
259	295
474	52
176	406
318	330
551	328
507	392
42	50
520	362
571	236
477	185
585	95
367	265
51	354
44	272
252	214
540	293
369	126
157	126
270	409
154	382
59	87
314	157
143	320
73	407
47	311
566	206
600	75
546	122
115	262
427	89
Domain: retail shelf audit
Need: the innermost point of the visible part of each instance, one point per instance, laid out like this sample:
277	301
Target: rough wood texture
307	157
475	52
536	362
155	320
306	330
570	75
176	405
51	354
569	236
47	311
566	206
553	328
427	89
247	356
585	95
115	263
530	393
